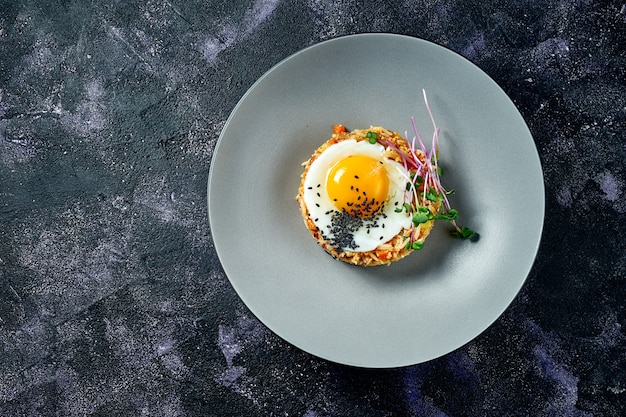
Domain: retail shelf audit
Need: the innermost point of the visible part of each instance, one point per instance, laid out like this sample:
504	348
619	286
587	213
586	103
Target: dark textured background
112	300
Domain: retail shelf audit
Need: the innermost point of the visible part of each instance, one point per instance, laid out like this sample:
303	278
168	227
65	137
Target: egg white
367	234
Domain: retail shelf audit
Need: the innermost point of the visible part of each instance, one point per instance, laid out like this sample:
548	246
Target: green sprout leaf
465	233
452	214
419	218
405	207
432	195
417	245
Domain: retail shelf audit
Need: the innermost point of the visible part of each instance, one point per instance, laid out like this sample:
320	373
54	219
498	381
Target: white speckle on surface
228	343
166	306
331	17
475	47
120	203
164	346
548	353
155	194
260	12
215	44
610	185
94	90
553	47
90	114
75	271
230	375
117	35
173	363
566	386
611	334
564	197
613	190
232	341
231	33
17	145
42	59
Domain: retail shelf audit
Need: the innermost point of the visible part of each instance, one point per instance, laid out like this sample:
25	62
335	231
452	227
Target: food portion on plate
371	197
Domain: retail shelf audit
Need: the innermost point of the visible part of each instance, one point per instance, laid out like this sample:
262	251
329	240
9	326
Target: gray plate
431	302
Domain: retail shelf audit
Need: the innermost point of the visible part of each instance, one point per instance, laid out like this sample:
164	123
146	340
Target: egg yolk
358	185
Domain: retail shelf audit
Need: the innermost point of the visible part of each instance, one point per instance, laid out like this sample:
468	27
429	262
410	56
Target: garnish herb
466	233
424	185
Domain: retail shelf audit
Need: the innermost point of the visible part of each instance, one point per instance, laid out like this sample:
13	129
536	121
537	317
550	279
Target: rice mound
387	252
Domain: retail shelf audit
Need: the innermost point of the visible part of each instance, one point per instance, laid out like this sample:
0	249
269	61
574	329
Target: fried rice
391	250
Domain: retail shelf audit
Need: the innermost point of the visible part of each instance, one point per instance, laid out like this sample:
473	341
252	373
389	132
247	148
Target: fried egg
352	191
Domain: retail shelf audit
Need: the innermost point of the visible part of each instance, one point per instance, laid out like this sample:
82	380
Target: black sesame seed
318	185
318	194
381	238
356	176
309	188
317	204
343	227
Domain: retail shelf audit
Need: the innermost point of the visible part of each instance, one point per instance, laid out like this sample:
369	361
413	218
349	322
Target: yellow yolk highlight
358	185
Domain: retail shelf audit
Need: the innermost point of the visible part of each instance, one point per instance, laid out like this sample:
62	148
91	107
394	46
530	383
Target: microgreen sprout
465	233
415	245
405	207
424	189
419	218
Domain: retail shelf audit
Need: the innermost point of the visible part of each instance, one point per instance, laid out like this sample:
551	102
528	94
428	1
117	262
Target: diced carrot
384	254
337	129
